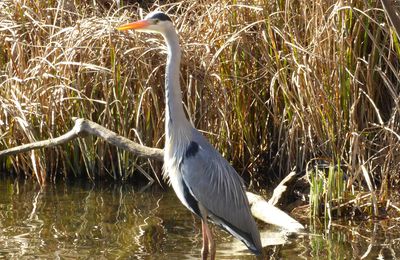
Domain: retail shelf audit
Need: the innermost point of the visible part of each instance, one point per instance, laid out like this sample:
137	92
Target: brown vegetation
276	85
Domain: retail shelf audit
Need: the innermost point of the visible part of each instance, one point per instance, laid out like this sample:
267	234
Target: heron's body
201	178
225	201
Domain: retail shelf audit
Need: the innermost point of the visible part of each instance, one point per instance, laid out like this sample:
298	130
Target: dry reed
274	85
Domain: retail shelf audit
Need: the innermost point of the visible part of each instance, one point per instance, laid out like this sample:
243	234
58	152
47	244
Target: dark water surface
85	221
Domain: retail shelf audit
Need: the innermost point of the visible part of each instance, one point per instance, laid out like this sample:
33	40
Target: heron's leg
211	244
204	250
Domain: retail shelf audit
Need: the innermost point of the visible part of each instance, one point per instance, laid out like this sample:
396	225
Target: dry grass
275	85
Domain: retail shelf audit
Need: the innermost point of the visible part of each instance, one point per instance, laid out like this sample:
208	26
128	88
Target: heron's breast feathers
176	145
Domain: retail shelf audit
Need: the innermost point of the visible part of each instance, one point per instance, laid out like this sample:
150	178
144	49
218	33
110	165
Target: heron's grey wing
216	186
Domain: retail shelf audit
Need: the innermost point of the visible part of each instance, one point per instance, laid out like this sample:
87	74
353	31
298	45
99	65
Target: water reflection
121	222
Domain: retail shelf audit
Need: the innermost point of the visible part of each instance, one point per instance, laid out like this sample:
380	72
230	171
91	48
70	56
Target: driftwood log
261	209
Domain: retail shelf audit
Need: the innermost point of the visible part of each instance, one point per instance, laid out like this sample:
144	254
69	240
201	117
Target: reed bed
274	85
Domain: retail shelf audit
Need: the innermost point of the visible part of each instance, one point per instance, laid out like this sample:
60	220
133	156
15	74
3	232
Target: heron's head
153	22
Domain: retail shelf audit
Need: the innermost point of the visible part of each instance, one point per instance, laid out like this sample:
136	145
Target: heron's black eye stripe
161	16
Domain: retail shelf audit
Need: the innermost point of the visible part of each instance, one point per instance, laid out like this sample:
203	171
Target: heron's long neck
174	115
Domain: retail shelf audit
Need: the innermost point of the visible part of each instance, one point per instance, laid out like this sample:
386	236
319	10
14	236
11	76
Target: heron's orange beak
135	25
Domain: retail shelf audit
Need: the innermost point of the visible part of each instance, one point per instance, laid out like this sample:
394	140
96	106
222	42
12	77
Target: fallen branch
280	189
270	214
84	127
260	208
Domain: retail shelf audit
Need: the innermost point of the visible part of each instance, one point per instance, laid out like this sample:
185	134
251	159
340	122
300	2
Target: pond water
86	221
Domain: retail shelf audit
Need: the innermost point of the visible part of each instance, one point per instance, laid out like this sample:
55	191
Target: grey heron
201	178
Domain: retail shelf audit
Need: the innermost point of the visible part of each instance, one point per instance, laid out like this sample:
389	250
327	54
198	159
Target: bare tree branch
280	189
84	127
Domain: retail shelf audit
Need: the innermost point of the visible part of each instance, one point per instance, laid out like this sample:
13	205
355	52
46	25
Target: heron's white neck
174	115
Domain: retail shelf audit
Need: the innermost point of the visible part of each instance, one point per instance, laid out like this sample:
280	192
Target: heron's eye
155	21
